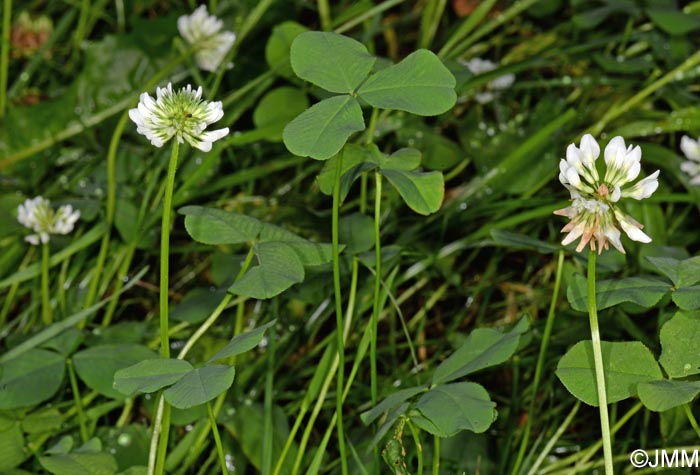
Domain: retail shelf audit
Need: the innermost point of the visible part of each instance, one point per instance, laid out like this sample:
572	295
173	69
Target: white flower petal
691	148
632	228
644	188
615	152
590	150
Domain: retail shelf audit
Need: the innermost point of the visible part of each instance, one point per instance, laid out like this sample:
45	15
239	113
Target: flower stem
164	251
164	261
338	317
540	362
45	302
217	439
5	54
599	369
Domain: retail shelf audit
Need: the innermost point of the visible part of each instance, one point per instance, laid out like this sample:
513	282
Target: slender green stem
82	22
554	439
377	285
163	300
163	436
339	317
165	250
436	456
540	363
5	54
324	12
82	420
599	369
268	431
217	439
431	21
419	446
691	419
46	315
376	10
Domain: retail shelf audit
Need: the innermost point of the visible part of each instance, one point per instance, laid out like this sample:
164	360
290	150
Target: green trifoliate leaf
96	366
405	159
331	61
199	386
626	364
321	131
30	378
663	395
150	375
242	343
419	84
679	345
643	291
446	410
683	273
276	109
422	192
216	226
391	402
278	46
279	268
484	347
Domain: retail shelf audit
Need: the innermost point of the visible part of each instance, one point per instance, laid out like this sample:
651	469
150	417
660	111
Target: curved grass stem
599	368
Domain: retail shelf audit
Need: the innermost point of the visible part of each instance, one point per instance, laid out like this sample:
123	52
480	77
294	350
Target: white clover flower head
203	32
691	149
182	114
37	215
594	214
494	87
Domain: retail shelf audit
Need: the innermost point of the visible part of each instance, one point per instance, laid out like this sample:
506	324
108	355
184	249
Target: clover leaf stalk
338	315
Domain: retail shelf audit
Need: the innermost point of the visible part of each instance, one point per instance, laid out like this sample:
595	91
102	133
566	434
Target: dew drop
124	440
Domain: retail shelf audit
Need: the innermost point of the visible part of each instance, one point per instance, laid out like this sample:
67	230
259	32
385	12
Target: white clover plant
203	32
184	115
595	217
37	215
